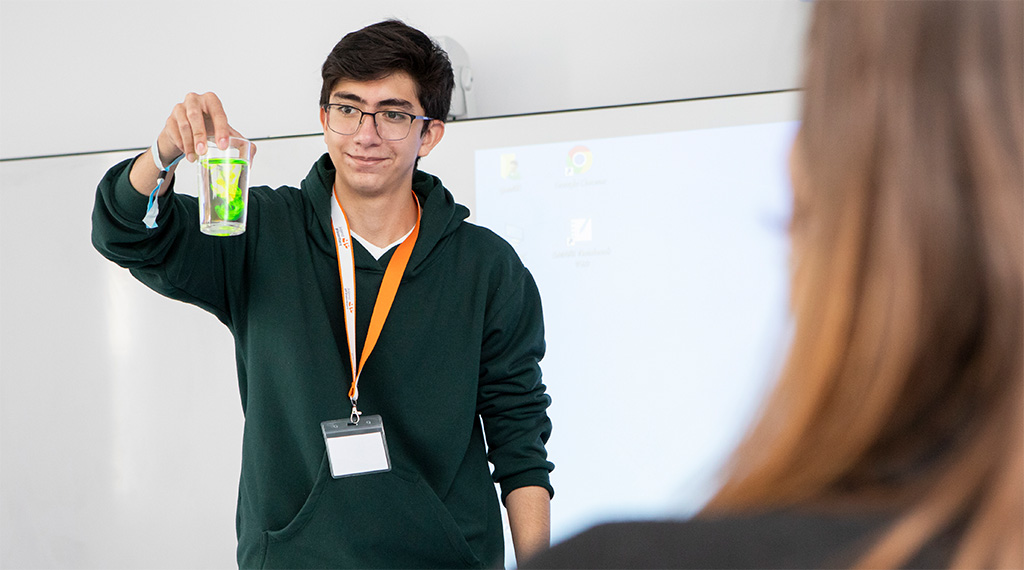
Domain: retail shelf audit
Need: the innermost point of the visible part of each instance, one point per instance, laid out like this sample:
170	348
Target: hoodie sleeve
512	399
174	259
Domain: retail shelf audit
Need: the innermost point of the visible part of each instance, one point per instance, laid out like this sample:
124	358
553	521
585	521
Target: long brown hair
904	384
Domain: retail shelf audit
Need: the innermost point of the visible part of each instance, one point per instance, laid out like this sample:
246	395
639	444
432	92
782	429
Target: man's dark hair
381	49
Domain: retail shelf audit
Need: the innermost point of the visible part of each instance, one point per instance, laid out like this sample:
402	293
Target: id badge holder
356	449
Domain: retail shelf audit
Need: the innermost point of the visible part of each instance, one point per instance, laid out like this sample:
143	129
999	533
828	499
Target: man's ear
430	138
323	119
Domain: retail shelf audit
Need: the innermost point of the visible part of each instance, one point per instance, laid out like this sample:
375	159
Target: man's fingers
218	119
194	120
171	129
196	117
183	128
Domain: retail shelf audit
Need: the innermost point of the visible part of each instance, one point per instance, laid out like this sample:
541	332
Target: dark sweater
772	540
457	358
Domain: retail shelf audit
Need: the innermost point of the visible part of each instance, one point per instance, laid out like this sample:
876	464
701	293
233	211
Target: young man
455	358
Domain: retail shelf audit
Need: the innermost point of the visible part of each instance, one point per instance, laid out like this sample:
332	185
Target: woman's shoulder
781	539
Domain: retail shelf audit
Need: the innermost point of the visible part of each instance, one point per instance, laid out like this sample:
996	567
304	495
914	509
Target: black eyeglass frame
412	119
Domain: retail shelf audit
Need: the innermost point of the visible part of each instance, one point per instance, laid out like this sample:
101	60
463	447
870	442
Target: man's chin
369	185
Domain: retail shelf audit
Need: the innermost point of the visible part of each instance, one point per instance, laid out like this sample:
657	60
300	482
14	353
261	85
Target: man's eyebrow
394	102
400	103
346	96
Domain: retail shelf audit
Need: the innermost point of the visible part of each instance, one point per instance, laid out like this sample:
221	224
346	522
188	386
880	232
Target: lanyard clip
353	419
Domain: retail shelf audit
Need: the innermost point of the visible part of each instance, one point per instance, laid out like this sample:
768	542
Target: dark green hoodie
457	358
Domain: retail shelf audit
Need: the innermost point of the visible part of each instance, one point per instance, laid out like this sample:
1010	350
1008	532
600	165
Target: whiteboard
114	455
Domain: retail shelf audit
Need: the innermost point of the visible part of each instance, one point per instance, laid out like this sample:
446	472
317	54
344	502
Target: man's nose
367	130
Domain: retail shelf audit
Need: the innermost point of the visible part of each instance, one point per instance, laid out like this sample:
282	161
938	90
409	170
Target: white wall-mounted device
463	96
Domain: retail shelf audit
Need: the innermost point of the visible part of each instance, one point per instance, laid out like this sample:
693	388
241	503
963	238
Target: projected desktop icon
579	161
580	230
513	234
509	167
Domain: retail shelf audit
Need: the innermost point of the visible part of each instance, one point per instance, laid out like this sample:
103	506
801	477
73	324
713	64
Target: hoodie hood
440	217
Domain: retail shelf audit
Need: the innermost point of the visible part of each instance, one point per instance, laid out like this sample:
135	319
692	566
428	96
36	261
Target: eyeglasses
390	125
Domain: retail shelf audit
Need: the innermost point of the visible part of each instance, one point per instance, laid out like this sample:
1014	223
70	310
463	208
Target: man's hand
185	132
191	121
529	519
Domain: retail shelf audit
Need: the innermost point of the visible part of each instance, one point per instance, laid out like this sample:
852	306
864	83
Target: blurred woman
894	436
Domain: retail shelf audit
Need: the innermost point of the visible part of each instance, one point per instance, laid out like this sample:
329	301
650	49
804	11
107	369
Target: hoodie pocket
381	520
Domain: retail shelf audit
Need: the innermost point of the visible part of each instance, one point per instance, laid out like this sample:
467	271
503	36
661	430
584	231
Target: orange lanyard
385	296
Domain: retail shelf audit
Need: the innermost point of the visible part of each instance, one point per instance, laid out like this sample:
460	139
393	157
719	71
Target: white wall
120	422
77	488
93	75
